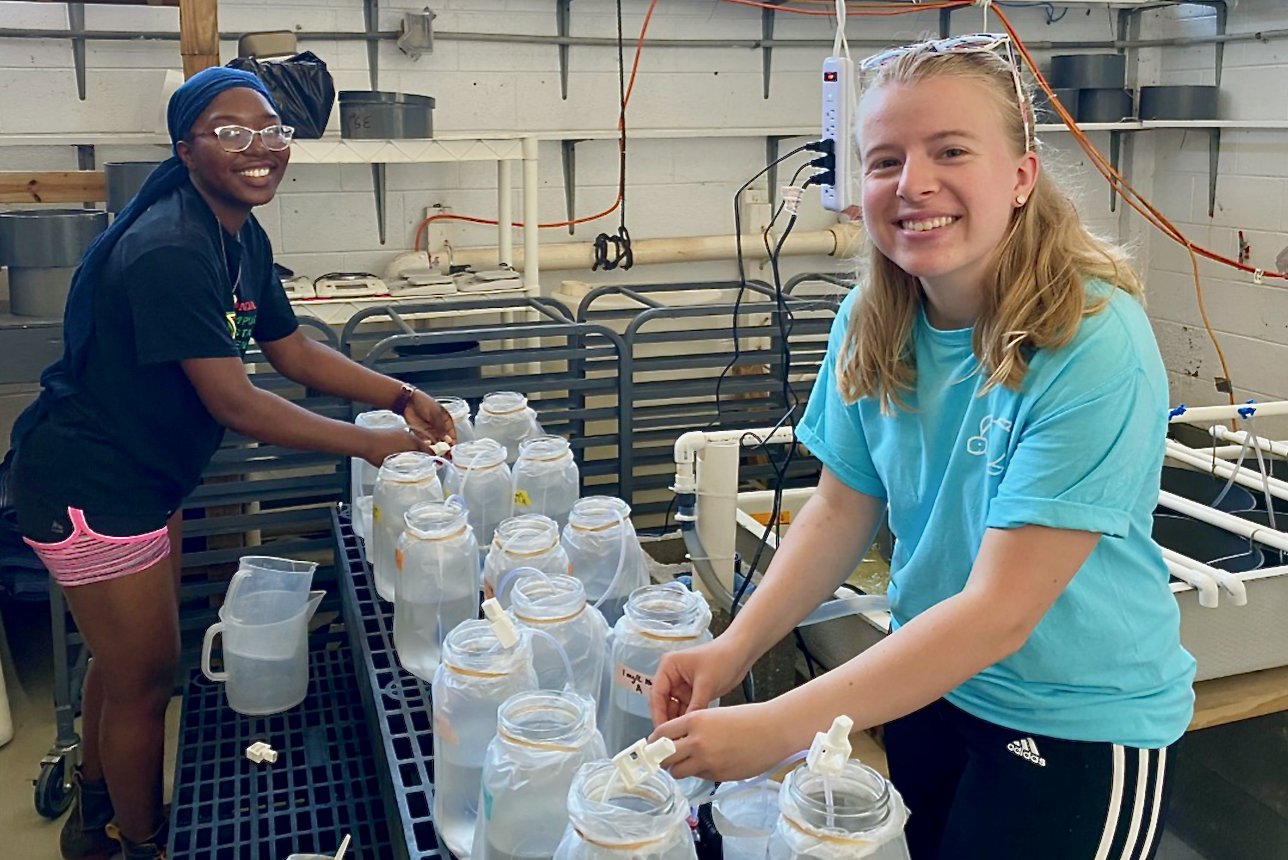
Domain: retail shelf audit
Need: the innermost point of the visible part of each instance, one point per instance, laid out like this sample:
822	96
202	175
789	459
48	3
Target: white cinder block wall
323	218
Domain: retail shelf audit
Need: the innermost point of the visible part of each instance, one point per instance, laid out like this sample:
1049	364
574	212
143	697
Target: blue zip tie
1175	411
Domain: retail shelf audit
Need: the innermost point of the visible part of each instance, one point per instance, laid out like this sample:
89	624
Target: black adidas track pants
978	791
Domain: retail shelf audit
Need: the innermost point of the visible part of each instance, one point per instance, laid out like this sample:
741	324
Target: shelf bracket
1214	158
416	36
766	50
371	22
568	155
945	22
563	26
378	187
76	22
1115	157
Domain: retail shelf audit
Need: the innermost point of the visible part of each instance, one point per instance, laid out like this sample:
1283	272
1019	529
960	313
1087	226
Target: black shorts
41	507
978	791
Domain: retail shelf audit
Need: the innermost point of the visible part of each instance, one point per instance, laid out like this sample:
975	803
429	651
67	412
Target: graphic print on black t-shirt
241	323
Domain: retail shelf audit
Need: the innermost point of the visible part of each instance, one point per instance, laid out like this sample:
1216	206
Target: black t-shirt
176	286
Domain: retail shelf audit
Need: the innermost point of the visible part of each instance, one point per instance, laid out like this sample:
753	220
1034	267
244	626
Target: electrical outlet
838	121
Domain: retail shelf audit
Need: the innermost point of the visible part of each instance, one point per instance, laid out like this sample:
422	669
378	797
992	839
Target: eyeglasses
975	43
238	138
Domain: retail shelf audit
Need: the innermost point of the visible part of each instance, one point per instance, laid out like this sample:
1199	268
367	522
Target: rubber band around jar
561	618
540	745
822	837
474	673
461	530
618	846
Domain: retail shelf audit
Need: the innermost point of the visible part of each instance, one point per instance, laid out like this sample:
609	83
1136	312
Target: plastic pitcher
257	574
266	654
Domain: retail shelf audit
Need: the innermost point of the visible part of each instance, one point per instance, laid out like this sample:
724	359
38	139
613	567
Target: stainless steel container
42	248
370	115
124	179
1088	71
1179	102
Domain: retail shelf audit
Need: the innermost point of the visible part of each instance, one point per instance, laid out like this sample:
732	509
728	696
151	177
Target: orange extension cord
1116	180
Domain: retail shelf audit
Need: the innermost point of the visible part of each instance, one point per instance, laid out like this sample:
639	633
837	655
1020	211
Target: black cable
742	273
622	256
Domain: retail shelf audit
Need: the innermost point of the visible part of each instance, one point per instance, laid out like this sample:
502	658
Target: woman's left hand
429	420
728	743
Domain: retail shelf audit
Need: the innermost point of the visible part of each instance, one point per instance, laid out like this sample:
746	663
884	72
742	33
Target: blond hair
1037	298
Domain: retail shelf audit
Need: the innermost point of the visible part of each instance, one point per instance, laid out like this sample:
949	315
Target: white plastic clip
791	198
440	448
260	752
831	749
502	626
1258	275
642	759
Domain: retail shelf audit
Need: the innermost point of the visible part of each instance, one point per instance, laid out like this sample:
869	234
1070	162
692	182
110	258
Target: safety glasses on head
974	43
238	138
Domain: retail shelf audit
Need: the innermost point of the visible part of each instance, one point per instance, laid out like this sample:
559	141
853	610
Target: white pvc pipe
531	218
840	241
1225	413
1205	585
1242	476
505	213
1225	434
1231	583
1244	528
717	506
689	444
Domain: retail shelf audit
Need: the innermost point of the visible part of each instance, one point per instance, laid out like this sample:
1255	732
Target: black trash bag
302	88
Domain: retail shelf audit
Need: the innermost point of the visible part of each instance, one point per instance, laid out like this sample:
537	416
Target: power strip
838	126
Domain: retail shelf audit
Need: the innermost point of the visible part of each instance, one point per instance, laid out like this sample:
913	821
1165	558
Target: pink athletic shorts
87	556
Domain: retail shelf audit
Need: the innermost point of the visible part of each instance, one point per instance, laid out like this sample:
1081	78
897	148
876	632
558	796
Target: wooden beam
69	186
198	35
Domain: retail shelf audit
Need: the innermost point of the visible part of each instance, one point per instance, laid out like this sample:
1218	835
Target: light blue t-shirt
1079	447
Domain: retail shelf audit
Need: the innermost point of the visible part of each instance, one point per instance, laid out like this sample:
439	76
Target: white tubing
1225	434
844	606
839	240
1244	477
1204	584
1226	413
1231	583
1245	528
689	444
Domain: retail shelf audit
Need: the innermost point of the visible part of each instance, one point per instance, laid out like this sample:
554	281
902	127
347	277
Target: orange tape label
762	517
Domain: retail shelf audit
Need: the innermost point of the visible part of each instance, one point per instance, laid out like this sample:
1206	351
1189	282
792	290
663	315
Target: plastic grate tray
398	702
323	785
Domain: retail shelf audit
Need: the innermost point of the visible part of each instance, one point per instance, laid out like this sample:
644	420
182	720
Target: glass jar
362	475
531	540
605	553
659	619
542	739
857	813
480	476
506	417
403	480
460	412
477	674
557	605
607	821
437	560
546	479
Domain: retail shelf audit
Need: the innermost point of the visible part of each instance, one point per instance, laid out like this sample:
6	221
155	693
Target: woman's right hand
688	680
395	440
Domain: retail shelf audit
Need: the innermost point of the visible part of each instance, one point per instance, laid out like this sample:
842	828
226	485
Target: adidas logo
1027	749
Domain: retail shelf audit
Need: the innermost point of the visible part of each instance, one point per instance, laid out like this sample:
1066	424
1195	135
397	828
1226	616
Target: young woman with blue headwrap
157	319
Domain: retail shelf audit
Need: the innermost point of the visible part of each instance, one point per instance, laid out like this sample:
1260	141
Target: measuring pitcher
257	574
266	654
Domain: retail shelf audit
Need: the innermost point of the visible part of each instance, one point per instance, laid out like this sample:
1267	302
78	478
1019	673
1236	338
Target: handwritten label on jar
521	497
636	682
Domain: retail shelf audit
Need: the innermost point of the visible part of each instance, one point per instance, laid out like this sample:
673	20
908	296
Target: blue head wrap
186	105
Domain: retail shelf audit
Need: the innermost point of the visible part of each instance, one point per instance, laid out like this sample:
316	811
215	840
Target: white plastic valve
502	626
642	759
440	448
831	749
260	752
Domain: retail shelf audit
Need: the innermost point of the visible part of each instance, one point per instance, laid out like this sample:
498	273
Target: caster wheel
53	789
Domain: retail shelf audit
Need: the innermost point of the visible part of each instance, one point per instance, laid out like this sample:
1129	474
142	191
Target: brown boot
151	849
83	836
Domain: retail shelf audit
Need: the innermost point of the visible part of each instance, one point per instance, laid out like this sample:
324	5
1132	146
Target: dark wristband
404	397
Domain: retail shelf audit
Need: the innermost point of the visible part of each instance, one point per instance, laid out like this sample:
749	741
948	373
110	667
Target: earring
1020	201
